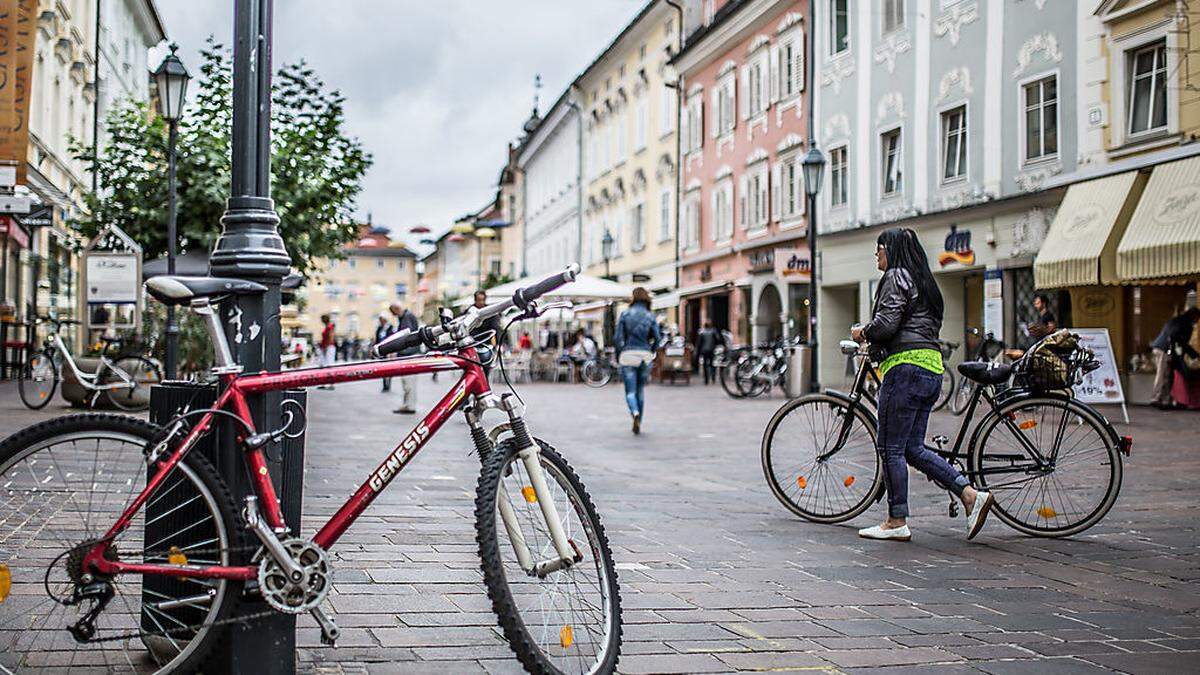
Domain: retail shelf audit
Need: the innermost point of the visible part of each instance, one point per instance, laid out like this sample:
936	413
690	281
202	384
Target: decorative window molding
755	156
693	184
790	141
790	19
723	172
891	106
1044	43
891	47
951	23
695	89
837	128
959	78
727	67
836	72
760	41
1032	180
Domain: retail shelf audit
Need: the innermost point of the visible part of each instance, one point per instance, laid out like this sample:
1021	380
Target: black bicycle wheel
38	380
596	374
809	471
948	389
750	378
727	375
1076	486
143	374
63	483
569	621
962	396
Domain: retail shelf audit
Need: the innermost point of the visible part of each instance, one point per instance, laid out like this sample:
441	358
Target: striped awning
1163	239
1080	248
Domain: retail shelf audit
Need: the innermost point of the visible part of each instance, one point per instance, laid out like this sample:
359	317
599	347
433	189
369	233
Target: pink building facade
742	214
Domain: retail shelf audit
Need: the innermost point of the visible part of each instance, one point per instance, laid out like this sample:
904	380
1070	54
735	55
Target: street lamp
813	166
606	247
171	80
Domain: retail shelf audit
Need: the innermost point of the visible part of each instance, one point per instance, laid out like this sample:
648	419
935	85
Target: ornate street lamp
813	166
606	249
171	80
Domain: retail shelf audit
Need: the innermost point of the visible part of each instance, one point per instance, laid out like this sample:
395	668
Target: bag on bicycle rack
1050	364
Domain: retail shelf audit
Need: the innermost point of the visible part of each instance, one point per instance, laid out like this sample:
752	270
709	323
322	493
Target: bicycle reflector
1027	425
529	493
566	637
1125	445
5	582
849	481
176	557
1047	512
802	482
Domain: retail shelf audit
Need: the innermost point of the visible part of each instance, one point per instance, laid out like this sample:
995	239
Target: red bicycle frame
233	398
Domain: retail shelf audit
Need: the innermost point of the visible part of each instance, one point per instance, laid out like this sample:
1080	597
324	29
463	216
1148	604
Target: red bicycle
122	550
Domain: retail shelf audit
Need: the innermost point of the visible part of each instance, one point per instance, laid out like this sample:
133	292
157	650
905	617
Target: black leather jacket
901	320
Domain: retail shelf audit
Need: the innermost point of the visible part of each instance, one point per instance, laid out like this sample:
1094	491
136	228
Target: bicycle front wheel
142	374
596	374
570	620
63	483
1074	484
819	458
38	381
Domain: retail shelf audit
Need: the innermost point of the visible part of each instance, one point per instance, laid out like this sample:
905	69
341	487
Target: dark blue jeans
635	387
905	399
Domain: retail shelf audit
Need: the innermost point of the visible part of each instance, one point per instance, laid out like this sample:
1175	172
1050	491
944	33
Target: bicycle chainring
296	597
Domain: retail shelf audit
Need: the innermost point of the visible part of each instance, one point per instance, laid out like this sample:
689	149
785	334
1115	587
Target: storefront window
798	312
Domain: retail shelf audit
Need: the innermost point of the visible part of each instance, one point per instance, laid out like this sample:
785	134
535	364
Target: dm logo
957	248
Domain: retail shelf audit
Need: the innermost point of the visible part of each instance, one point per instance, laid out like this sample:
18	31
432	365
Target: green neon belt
929	359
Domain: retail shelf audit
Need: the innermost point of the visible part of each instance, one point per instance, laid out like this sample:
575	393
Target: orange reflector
566	637
802	482
849	481
41	394
1027	425
5	581
1047	512
529	493
176	557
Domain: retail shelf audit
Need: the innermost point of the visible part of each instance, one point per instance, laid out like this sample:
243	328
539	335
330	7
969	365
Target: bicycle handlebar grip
523	296
398	342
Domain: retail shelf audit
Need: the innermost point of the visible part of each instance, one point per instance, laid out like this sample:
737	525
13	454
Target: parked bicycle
758	371
987	350
123	378
1052	463
599	370
128	554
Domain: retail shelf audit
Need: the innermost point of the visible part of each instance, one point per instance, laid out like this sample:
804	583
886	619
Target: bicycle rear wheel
1076	486
570	621
63	483
819	458
596	374
962	396
38	380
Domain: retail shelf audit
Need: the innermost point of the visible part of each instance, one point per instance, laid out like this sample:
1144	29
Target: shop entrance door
718	311
973	304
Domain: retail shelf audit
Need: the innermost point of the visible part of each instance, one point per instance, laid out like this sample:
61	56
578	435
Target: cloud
434	90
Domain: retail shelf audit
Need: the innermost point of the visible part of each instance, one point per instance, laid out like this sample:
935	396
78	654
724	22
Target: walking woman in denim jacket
636	339
903	333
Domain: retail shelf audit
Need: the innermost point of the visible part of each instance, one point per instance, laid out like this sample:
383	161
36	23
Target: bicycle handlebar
428	335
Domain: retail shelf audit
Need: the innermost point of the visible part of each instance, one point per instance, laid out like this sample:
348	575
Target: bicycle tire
728	379
962	396
145	373
40	440
500	465
771	457
596	375
750	386
947	391
36	399
1051	505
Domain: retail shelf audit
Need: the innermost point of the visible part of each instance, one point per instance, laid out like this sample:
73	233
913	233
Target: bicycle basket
1051	363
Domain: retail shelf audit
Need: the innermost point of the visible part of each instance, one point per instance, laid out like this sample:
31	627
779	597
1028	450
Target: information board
112	278
1102	385
993	303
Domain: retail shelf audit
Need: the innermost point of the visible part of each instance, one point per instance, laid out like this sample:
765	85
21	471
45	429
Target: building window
839	177
639	127
791	199
757	84
379	264
637	223
954	144
723	99
839	26
664	215
691	223
619	132
1041	119
723	211
695	123
1148	88
754	204
791	65
892	162
666	122
893	15
401	290
352	262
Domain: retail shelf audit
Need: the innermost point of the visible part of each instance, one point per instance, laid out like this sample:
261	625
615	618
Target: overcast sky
434	90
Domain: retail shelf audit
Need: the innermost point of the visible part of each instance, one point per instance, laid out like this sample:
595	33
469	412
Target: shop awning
1080	248
708	288
665	301
1163	239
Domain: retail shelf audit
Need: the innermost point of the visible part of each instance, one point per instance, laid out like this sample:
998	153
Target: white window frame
944	144
725	114
1022	123
722	212
695	122
790	88
759	89
666	122
884	154
1131	81
895	7
845	172
758	196
640	122
665	207
637	224
690	230
831	28
1120	49
792	196
619	131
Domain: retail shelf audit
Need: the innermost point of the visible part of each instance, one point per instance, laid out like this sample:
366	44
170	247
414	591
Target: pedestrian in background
1173	341
637	337
1046	322
706	346
903	333
487	332
327	348
406	320
382	331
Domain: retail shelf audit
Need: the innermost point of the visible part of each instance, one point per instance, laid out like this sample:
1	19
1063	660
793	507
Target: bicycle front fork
530	455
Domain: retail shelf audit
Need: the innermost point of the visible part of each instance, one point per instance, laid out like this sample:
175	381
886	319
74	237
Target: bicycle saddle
178	290
985	372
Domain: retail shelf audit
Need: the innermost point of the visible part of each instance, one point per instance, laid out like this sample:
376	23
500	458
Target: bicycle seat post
224	362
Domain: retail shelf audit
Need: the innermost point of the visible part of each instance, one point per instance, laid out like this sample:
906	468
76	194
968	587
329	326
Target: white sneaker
983	504
901	533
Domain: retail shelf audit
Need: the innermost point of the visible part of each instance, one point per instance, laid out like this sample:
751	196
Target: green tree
316	169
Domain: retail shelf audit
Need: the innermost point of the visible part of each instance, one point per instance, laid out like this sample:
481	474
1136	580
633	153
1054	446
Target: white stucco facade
549	161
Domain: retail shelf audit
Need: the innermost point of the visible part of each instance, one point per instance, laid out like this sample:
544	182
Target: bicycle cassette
290	597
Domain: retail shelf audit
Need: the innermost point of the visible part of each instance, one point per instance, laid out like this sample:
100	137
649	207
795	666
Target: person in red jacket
327	348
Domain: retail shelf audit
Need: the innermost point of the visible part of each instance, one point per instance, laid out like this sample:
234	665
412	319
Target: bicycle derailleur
87	588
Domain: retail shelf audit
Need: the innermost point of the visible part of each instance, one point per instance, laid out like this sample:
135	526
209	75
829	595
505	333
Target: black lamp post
171	80
814	170
606	246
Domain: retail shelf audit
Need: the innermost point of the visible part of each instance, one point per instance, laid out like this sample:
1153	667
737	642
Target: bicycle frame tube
473	382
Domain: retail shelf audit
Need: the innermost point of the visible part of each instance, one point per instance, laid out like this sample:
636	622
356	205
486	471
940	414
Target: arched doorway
767	318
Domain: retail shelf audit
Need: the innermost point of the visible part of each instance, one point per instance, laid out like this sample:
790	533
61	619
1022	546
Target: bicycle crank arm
329	629
270	542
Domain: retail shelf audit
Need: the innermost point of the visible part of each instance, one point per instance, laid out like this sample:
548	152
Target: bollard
796	380
266	645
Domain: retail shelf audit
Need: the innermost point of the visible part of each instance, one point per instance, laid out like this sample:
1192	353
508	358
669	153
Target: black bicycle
1052	463
987	349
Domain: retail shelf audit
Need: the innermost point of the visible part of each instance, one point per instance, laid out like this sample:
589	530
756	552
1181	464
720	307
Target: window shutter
716	107
712	222
733	103
685	129
776	191
743	214
798	53
744	99
700	120
774	85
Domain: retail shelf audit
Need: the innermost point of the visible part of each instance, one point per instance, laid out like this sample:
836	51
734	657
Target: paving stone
888	657
673	663
774	661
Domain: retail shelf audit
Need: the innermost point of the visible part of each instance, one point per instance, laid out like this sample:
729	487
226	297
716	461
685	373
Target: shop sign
1083	222
1180	203
112	278
762	260
43	217
793	264
993	302
957	248
1102	385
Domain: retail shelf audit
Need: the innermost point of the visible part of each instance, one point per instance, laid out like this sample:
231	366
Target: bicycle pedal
329	630
953	509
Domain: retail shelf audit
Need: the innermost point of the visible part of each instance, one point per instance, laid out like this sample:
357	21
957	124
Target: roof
645	10
721	16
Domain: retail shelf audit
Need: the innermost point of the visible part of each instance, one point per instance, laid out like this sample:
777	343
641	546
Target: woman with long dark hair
903	334
636	340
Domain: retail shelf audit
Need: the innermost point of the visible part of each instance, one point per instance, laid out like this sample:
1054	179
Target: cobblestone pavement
716	576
